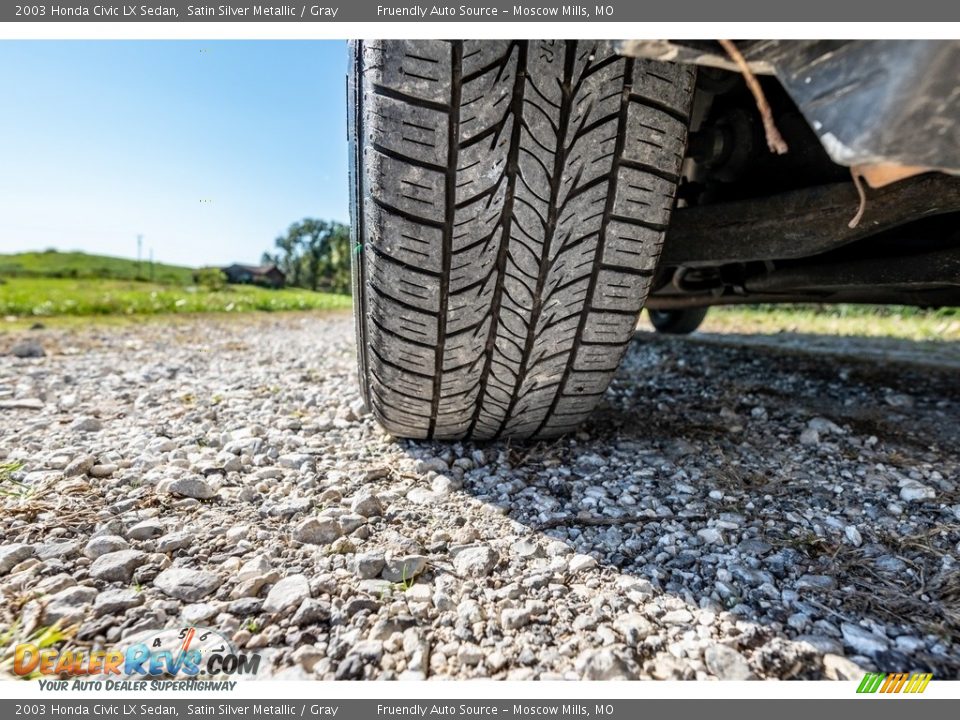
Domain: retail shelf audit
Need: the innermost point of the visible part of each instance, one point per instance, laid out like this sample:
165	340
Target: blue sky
209	149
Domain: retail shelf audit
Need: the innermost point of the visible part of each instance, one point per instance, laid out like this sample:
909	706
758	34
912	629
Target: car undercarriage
861	208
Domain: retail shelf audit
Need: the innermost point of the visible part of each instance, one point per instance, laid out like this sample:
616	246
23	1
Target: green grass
78	265
10	487
56	297
892	321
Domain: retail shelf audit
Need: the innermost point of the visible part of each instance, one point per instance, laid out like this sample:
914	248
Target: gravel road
734	510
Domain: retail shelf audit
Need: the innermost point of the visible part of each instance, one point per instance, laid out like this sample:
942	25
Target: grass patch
42	637
55	297
78	265
893	321
8	486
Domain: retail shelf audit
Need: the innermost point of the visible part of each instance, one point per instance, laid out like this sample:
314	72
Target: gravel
735	509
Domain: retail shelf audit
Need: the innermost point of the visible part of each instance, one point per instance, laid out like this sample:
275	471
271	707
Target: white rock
862	640
86	424
80	466
187	584
175	541
254	567
103	471
726	663
711	536
103	544
470	655
423	496
677	617
419	593
444	485
28	349
909	644
837	667
69	606
899	400
317	531
602	664
580	563
853	535
367	504
476	561
294	461
823	425
403	568
21	404
191	487
514	618
912	491
117	566
198	612
368	565
12	555
110	602
287	593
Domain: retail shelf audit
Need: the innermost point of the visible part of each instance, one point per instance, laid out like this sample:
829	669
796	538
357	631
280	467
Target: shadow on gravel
794	496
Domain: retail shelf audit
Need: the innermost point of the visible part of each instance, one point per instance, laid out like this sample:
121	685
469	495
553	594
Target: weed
42	637
405	582
13	488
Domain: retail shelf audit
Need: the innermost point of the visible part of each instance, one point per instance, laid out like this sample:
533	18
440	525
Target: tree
314	254
290	261
315	239
270	259
210	278
339	271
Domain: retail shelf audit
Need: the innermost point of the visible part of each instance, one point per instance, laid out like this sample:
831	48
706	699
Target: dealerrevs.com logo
911	683
188	653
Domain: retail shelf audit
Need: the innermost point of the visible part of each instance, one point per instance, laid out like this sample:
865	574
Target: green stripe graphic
871	682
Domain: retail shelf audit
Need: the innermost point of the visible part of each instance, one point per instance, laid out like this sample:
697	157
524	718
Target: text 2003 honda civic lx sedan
516	203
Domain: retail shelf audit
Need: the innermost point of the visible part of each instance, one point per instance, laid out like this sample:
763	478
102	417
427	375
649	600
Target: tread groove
450	213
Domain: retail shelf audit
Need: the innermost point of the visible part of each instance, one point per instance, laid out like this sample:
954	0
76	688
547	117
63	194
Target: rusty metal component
800	223
876	295
930	270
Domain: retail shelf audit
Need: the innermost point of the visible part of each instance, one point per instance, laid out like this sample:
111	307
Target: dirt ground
776	506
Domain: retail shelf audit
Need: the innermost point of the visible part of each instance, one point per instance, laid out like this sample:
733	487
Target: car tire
677	322
509	201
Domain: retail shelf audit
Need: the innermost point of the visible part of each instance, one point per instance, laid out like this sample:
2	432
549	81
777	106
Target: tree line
314	254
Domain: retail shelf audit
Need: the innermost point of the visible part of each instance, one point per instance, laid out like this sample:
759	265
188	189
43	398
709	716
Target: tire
677	322
509	204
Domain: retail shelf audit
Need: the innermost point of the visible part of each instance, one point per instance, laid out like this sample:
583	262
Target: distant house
266	275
